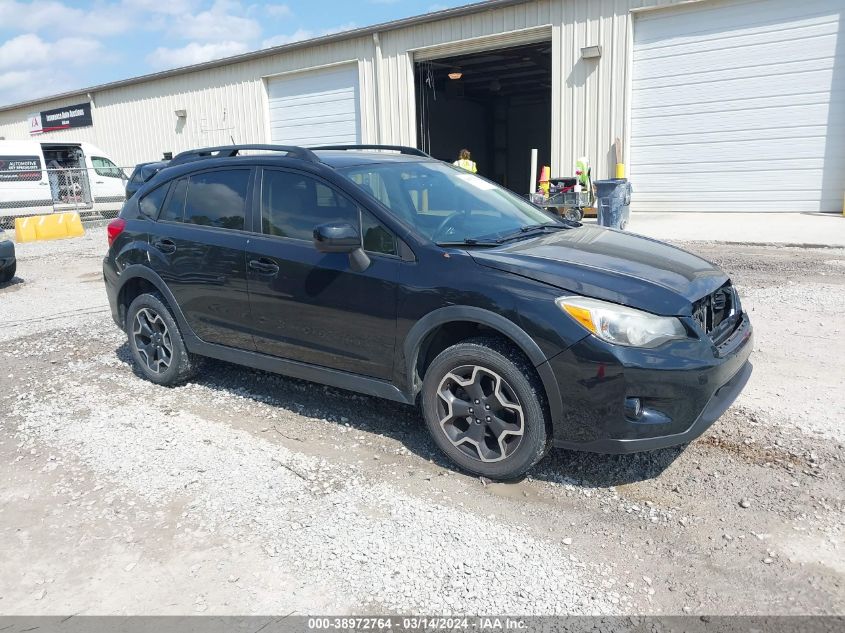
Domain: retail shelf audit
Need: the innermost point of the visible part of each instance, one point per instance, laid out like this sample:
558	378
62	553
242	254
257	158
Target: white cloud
31	67
29	51
194	53
304	34
278	10
104	19
220	22
166	7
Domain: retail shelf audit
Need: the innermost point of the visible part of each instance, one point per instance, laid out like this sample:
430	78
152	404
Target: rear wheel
485	408
8	273
156	343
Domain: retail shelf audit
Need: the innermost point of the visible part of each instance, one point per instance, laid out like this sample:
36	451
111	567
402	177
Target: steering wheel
446	225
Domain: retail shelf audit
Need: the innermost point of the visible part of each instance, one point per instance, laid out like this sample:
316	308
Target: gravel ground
246	492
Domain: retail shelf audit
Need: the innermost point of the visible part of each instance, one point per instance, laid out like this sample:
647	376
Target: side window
372	183
174	207
293	204
376	238
150	204
217	198
104	167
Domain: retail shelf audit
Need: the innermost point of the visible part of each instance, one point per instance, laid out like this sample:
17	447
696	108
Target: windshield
448	204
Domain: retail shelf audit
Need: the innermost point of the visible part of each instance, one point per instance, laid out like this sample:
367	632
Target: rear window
17	168
217	198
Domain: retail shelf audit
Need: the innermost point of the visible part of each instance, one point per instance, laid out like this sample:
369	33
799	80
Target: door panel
204	265
315	309
311	306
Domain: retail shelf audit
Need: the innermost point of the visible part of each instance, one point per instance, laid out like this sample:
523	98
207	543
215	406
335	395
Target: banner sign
61	119
35	123
15	168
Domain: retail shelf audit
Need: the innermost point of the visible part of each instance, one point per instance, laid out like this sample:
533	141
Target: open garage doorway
497	104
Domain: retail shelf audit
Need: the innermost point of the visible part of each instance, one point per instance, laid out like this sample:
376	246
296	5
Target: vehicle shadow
13	284
404	424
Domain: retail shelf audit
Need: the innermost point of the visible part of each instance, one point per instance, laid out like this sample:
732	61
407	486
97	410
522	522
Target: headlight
622	325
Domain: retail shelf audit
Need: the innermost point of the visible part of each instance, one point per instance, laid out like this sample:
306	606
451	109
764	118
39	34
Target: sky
52	46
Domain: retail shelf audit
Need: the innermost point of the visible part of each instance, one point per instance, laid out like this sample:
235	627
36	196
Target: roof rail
228	151
402	149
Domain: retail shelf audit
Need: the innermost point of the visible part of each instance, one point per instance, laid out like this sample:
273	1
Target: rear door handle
165	245
264	266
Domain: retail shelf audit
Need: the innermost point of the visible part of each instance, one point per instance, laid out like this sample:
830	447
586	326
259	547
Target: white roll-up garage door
315	107
739	106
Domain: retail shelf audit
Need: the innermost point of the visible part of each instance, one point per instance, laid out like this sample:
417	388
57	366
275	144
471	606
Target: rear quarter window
150	204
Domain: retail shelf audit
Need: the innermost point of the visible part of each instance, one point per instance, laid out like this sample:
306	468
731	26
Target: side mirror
342	237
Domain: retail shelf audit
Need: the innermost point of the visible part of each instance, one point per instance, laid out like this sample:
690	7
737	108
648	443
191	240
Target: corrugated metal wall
135	123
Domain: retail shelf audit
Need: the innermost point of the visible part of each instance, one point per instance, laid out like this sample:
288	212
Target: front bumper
688	384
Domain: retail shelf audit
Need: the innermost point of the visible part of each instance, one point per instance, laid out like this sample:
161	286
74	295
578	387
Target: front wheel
485	408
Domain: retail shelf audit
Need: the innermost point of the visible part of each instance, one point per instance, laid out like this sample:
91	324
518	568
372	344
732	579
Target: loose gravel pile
365	540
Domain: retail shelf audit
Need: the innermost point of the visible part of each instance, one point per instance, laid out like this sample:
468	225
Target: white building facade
716	104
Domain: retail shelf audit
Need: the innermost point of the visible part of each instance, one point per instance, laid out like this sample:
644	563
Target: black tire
509	454
573	214
9	273
150	353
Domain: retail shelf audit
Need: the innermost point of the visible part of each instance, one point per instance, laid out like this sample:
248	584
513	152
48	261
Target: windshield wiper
469	242
530	229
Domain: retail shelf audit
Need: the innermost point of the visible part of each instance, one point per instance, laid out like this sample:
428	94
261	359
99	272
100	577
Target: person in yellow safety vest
464	162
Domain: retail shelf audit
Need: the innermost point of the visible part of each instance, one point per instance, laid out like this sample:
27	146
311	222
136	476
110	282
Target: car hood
612	265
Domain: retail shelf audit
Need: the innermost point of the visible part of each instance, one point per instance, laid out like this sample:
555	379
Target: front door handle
165	245
264	266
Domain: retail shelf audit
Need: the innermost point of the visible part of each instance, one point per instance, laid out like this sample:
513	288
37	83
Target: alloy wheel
479	413
152	340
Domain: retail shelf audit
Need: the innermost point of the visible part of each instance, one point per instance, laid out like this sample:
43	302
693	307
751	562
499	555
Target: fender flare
136	271
503	325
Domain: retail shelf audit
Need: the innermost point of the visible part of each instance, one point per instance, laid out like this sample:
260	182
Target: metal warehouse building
717	104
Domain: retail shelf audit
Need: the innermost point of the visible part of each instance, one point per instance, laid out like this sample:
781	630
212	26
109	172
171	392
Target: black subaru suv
383	271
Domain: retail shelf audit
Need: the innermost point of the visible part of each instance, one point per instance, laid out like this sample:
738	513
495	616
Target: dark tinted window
217	198
137	177
151	203
293	204
175	204
377	239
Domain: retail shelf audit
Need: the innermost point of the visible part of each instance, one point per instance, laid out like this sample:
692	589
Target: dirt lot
245	492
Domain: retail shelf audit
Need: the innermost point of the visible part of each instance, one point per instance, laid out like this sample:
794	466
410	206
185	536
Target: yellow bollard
620	170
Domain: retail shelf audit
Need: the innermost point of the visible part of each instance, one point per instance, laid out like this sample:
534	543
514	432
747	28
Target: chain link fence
94	192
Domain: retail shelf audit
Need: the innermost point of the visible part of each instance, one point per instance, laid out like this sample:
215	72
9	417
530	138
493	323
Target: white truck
38	177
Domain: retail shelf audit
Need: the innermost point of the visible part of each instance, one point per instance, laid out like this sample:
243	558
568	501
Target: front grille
718	313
